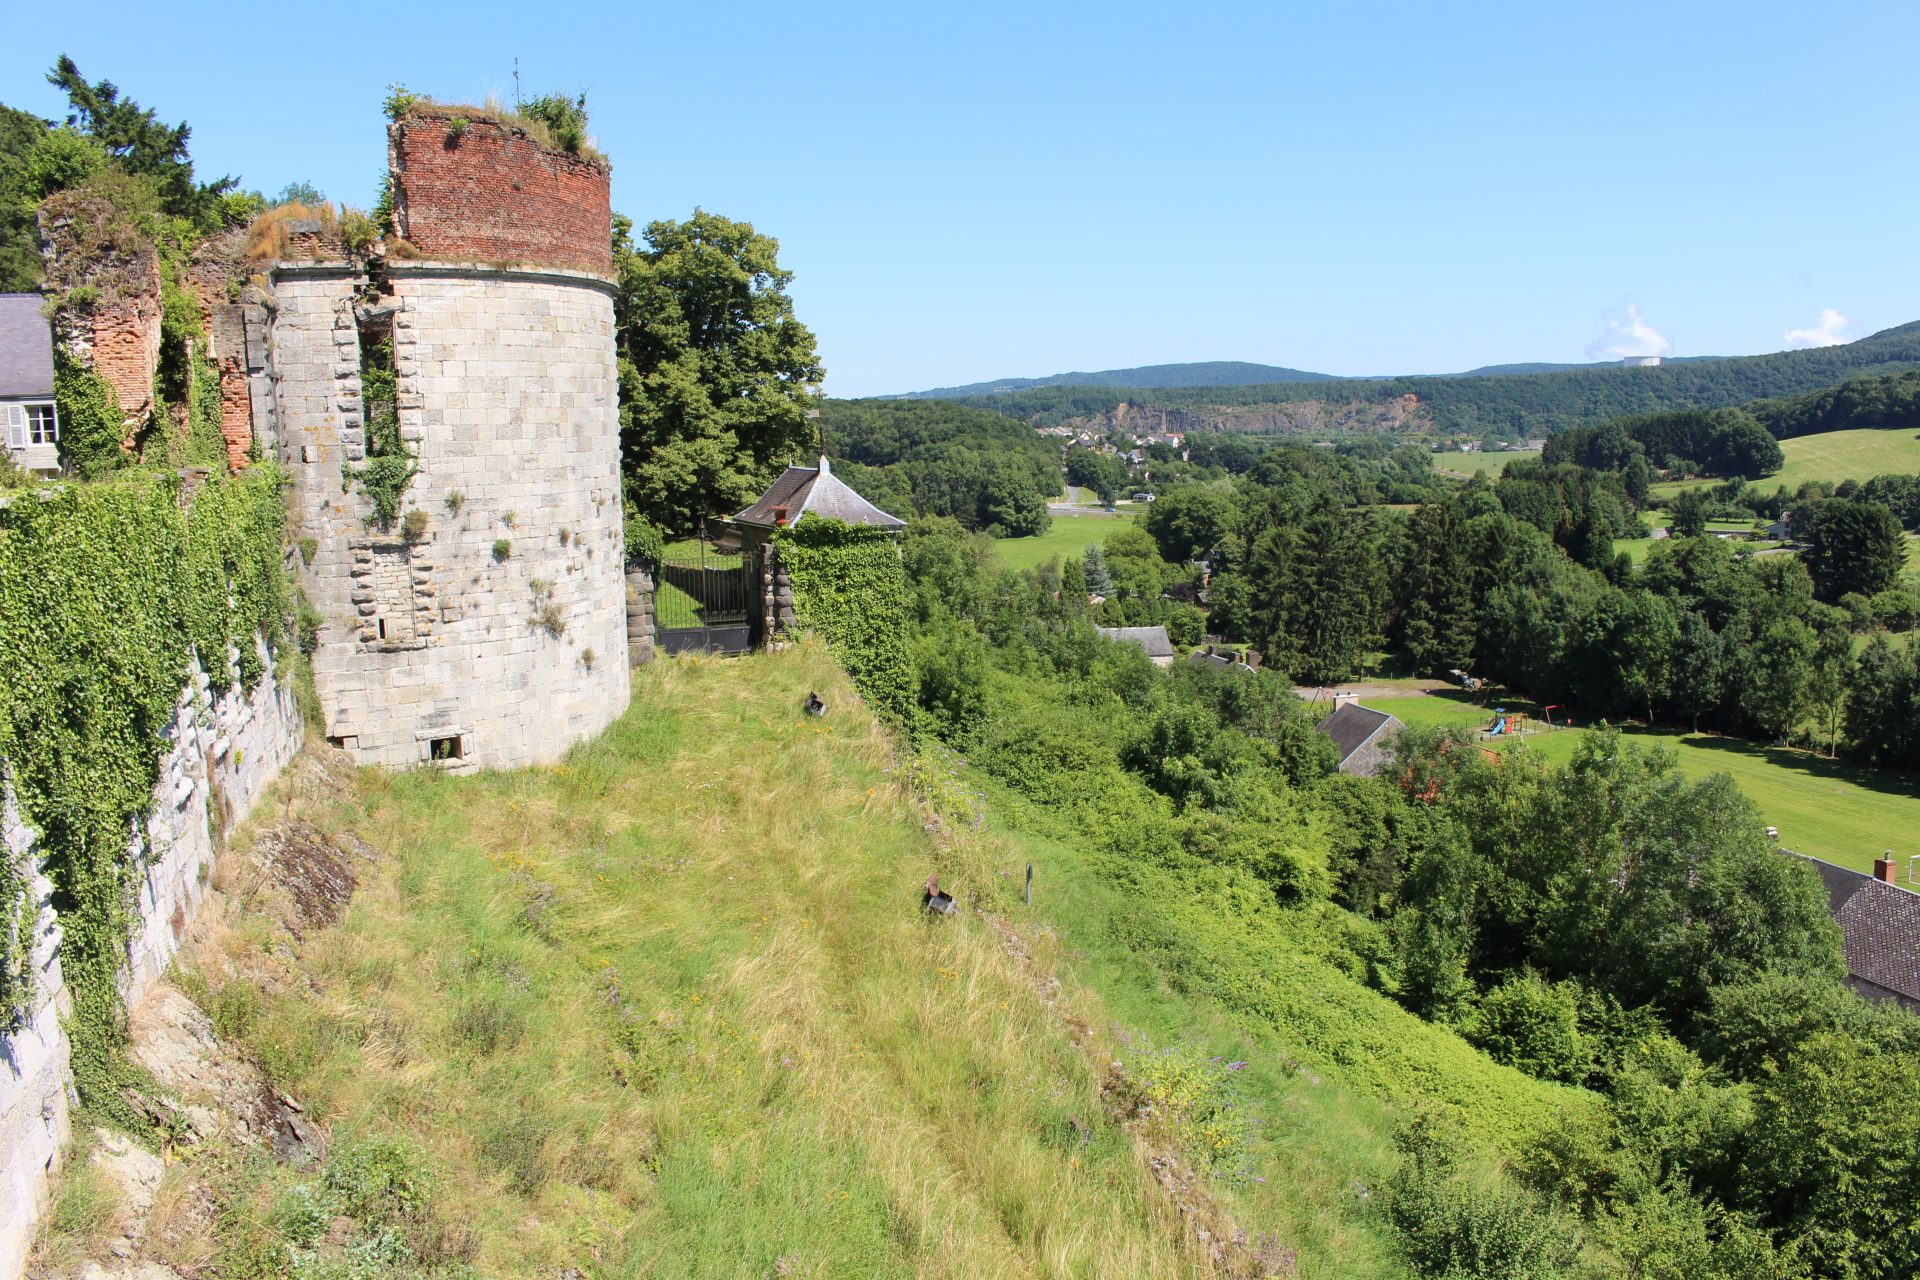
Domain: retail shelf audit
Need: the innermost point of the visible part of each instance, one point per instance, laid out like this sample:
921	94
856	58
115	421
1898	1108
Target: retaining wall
226	751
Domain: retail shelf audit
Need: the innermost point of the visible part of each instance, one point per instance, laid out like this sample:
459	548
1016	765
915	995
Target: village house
1879	930
1151	639
26	384
1361	736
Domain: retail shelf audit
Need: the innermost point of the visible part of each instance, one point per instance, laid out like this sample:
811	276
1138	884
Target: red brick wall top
489	193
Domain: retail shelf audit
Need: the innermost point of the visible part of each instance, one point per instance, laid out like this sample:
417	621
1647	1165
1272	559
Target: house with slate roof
1879	929
1152	639
803	491
1361	736
27	414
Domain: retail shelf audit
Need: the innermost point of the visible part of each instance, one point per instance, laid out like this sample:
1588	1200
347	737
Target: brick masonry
489	193
125	337
225	752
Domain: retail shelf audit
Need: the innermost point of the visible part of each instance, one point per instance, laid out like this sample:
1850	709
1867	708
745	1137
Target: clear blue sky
982	190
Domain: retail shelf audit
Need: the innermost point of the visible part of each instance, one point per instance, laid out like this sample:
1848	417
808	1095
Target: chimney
1253	659
1886	869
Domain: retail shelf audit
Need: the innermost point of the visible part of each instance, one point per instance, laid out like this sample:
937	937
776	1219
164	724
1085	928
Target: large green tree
1851	546
717	377
140	144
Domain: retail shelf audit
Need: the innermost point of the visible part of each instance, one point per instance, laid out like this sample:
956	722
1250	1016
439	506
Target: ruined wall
489	193
225	752
126	350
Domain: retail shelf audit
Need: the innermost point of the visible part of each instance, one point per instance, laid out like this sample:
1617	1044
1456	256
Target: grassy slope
1832	456
671	1009
1830	809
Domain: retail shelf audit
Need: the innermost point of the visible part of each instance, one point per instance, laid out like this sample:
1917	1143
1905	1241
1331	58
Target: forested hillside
931	458
1517	405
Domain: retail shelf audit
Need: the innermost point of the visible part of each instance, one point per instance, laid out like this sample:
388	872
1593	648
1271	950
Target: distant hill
1506	403
1213	373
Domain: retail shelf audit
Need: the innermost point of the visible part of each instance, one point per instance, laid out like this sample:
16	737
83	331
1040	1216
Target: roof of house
815	490
26	347
1879	925
1152	639
1353	726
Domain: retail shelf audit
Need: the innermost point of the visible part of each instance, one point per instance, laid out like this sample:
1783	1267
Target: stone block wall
639	617
34	1077
489	193
225	752
443	647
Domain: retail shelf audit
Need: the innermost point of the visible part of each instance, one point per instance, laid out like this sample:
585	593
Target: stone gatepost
639	616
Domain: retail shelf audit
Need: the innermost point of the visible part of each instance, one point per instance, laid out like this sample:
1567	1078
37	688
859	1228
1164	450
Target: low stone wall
226	752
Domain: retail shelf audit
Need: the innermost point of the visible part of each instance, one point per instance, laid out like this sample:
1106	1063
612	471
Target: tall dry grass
671	1009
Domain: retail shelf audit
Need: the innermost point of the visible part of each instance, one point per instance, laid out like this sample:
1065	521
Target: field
1068	536
1467	464
1828	809
1832	456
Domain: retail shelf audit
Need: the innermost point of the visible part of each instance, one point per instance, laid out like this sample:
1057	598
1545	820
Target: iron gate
703	599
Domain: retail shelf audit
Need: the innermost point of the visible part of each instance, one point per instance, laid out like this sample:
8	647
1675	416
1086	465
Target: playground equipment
1508	724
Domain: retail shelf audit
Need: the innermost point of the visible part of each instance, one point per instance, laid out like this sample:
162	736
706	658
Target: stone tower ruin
484	622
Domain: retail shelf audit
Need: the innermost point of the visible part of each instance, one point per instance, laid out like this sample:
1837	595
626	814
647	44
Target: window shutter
16	426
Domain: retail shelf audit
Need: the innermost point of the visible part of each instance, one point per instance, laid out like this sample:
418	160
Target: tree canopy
717	377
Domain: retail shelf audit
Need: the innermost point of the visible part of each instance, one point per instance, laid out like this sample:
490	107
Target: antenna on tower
517	104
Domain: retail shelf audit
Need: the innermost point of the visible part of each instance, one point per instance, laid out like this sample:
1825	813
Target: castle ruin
485	623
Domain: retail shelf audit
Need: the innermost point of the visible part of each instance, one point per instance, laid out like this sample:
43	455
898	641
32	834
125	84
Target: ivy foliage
850	587
91	422
107	592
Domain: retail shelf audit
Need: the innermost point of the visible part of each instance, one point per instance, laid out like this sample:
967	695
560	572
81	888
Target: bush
1462	1227
1529	1023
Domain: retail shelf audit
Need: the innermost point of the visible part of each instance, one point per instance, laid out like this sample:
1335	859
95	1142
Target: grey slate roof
26	348
1353	726
1152	639
1880	931
817	490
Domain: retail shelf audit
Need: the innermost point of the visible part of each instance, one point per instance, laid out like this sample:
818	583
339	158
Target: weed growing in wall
850	587
106	592
390	466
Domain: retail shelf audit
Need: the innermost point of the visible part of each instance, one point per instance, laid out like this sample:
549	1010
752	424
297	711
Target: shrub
414	527
1529	1023
1196	1100
502	548
1457	1226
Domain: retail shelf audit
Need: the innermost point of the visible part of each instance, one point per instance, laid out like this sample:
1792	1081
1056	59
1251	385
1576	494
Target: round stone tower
478	618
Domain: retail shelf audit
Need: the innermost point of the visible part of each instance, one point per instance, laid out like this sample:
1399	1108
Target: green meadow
1831	456
1068	536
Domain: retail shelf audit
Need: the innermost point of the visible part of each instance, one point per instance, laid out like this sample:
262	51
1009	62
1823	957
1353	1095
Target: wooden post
1029	884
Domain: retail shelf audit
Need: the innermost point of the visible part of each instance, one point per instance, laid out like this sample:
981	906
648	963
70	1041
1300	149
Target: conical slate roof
801	490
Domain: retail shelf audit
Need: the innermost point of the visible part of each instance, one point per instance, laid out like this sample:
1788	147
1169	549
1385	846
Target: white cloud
1832	330
1629	335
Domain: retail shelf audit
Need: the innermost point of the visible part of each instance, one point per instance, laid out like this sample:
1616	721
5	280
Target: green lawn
1068	536
1832	456
1829	809
1467	464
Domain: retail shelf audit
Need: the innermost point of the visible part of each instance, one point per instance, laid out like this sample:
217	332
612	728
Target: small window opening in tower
440	749
383	628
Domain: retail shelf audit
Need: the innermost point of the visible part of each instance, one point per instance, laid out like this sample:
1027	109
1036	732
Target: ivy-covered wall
851	589
109	594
